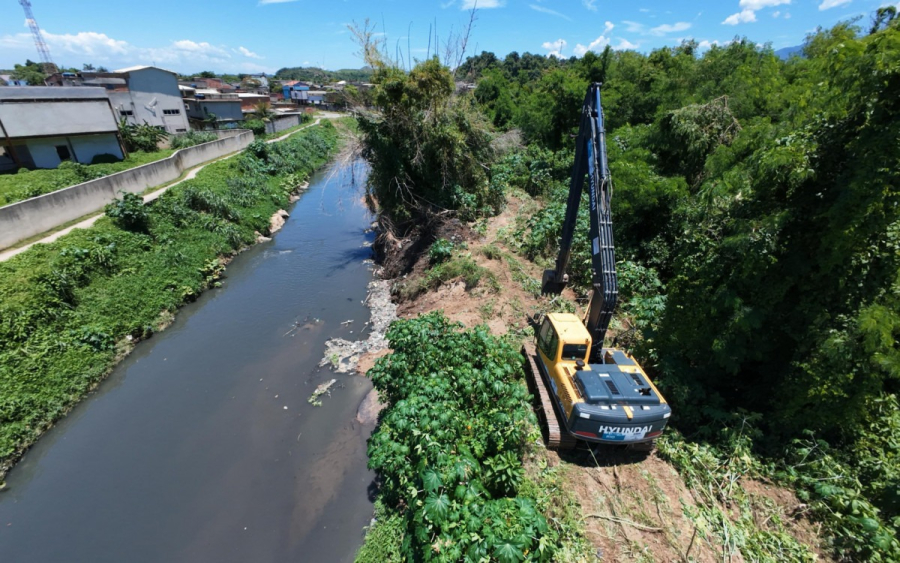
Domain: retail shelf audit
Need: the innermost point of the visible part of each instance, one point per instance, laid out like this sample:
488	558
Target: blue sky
265	35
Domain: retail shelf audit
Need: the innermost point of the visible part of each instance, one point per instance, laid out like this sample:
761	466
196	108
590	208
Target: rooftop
52	93
143	67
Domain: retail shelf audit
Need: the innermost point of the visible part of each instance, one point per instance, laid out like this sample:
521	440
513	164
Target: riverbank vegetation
756	215
69	310
448	448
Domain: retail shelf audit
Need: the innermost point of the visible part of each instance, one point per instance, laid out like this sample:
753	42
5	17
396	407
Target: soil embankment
634	506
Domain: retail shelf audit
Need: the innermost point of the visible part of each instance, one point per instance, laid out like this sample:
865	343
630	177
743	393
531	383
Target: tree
263	111
883	18
31	72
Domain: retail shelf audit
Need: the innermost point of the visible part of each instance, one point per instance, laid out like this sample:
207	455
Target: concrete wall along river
202	446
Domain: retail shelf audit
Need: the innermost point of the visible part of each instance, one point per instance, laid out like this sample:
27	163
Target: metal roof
143	67
47	93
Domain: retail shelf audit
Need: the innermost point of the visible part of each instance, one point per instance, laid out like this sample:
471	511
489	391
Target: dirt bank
635	506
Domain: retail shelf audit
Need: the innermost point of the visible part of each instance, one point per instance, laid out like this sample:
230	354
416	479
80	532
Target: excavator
585	391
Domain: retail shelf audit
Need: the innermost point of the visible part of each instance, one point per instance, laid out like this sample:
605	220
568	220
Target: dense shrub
429	149
191	138
258	126
105	158
128	213
142	137
449	445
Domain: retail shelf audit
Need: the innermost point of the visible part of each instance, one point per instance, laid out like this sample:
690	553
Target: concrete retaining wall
282	123
19	221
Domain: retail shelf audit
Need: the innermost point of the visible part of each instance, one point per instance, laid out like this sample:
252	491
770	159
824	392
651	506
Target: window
574	351
181	130
548	341
63	152
171	112
125	112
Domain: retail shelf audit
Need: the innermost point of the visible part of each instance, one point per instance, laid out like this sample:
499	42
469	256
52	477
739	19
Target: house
42	126
261	78
316	97
139	94
295	91
211	106
151	96
250	101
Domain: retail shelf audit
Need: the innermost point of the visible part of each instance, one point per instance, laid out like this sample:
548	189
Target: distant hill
320	76
788	52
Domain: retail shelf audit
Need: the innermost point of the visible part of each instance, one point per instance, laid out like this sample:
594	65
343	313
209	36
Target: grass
384	537
32	183
68	308
460	266
307	121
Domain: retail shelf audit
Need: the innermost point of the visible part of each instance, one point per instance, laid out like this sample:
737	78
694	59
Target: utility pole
43	50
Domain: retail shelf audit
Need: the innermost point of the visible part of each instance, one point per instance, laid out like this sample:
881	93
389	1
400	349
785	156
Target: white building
40	127
151	96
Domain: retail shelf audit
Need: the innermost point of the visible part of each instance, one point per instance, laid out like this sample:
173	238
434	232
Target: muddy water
202	446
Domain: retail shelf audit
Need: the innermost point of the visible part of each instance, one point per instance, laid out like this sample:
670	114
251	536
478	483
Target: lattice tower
43	50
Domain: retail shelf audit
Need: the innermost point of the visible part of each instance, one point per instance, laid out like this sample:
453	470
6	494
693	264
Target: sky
252	36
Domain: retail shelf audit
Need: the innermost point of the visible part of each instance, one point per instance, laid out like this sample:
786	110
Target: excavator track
556	435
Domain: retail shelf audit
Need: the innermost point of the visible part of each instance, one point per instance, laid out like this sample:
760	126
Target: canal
201	445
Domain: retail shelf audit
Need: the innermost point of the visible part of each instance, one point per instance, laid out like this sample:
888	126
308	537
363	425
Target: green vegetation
457	266
449	452
756	211
191	138
428	148
32	183
31	72
321	76
70	309
757	218
143	137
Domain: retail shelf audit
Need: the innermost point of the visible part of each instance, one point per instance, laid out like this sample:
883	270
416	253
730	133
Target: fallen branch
624	521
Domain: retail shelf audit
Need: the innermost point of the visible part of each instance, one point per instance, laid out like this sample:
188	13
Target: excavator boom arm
590	162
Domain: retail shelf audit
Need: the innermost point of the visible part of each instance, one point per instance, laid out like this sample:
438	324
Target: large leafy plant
449	445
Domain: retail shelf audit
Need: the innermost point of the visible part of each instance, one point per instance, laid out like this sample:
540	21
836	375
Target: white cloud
787	15
544	10
634	27
86	43
626	45
760	4
596	46
183	55
264	2
745	16
248	53
670	28
828	4
469	4
589	4
203	48
607	27
555	47
776	13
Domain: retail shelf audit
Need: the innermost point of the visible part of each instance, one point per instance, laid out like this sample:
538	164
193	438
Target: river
201	445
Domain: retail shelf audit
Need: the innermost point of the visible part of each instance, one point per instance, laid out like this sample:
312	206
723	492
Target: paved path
191	174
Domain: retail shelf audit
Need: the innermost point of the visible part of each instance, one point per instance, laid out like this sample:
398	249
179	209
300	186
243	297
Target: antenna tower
43	50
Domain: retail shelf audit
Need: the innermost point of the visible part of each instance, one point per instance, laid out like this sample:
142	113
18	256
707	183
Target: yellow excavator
585	391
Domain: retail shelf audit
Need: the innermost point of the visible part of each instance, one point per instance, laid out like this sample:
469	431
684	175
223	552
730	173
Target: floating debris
321	390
